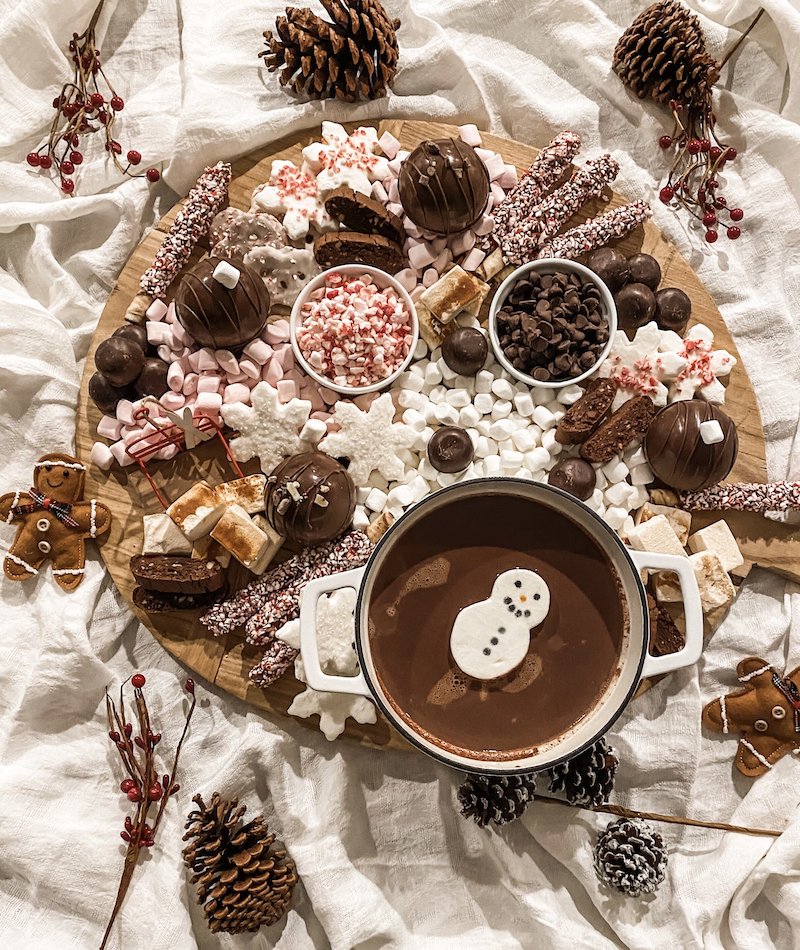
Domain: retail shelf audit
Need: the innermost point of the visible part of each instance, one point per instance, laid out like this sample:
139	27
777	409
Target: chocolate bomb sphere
677	453
611	267
673	309
310	498
636	305
152	380
119	360
645	269
575	476
218	317
444	186
450	449
105	396
465	350
135	332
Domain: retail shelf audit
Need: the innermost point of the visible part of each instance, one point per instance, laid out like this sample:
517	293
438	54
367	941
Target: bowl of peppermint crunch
354	329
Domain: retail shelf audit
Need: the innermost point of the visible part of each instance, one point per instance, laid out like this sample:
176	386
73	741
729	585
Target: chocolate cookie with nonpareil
350	247
357	212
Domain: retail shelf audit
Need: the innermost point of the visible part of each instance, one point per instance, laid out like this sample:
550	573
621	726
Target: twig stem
742	38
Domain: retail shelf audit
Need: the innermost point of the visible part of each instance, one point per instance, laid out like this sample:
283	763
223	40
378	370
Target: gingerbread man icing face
765	715
53	522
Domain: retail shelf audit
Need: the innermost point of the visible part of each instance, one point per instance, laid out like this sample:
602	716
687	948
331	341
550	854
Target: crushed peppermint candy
744	496
354	333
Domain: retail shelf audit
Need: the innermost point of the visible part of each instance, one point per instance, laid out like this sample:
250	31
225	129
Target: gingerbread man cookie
766	714
53	522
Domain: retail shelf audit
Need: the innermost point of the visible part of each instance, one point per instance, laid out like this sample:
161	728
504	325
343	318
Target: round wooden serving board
226	661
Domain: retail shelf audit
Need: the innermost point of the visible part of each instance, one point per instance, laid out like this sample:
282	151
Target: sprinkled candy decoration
744	496
190	225
703	366
342	160
293	193
612	225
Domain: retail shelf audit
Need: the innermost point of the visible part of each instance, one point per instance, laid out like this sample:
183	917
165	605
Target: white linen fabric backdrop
384	857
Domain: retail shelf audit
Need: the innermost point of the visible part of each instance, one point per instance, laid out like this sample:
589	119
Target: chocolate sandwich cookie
584	416
357	212
170	574
162	603
631	421
350	247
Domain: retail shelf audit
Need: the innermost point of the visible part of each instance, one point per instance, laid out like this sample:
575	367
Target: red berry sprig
82	108
693	181
143	787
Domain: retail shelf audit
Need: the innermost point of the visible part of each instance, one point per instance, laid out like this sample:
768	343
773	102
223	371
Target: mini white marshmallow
483	381
536	459
502	430
543	417
226	274
501	409
484	403
458	398
376	500
469	416
711	432
523	403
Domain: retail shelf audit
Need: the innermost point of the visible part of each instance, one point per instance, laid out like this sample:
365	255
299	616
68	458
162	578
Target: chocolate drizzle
310	498
443	186
219	317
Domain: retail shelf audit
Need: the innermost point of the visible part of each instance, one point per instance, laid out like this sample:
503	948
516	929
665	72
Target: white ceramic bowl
381	279
551	265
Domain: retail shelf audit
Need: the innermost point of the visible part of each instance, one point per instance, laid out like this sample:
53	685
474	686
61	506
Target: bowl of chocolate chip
552	323
501	626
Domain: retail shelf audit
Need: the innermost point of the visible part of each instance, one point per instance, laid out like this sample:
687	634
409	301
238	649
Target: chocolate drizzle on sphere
310	498
217	316
444	186
676	451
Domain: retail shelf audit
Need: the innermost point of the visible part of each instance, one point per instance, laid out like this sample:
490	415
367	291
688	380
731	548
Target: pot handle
693	612
311	593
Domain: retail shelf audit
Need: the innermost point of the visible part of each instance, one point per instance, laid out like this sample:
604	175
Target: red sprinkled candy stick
82	108
190	225
745	496
597	232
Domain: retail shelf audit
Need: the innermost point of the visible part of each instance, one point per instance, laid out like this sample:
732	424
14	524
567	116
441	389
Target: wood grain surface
226	661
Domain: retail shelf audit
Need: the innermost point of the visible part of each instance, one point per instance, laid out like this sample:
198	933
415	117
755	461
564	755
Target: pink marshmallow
180	335
171	317
484	154
474	259
329	397
172	401
156	311
470	135
389	145
484	226
394	192
286	390
258	351
208	404
395	163
311	393
190	384
250	369
157	332
430	277
227	361
175	376
462	243
497	193
236	392
208	384
322	416
165	354
125	411
411	229
206	360
238	378
509	177
120	452
443	260
407	278
166	453
277	332
421	255
396	208
272	372
101	456
109	428
417	292
379	193
495	166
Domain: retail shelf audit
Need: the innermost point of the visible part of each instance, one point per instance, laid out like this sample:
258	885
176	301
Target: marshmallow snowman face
491	638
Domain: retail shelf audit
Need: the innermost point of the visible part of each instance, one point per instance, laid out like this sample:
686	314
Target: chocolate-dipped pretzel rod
190	225
597	232
522	242
745	496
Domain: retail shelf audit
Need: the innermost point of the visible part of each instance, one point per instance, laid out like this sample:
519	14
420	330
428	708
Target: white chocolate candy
491	638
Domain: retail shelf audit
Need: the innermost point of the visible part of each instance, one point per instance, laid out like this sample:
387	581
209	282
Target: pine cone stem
668	819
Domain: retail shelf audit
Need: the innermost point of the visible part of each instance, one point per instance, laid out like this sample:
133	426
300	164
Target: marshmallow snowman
491	638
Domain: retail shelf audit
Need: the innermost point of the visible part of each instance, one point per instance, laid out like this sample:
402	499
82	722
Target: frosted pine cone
630	857
496	798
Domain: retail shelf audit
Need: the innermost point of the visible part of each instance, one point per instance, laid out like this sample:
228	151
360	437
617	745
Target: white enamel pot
635	661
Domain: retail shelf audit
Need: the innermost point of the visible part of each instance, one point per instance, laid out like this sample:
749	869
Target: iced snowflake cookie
268	428
292	192
342	160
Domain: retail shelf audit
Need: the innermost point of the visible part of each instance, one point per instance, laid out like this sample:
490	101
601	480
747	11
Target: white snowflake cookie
268	429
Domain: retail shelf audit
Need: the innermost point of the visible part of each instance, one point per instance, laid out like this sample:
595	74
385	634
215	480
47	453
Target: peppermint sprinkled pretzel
190	225
745	496
597	232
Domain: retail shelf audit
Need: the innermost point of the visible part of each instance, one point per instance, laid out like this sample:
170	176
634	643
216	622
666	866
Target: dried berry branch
82	108
143	786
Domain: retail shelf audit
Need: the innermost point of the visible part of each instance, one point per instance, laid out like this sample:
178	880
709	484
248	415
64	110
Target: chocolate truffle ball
104	395
677	452
611	267
645	269
310	498
444	186
119	360
636	305
575	476
135	332
673	309
450	449
152	380
465	350
217	316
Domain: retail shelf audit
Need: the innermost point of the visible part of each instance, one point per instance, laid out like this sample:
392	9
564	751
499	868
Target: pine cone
588	778
630	857
353	57
662	55
497	798
242	882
